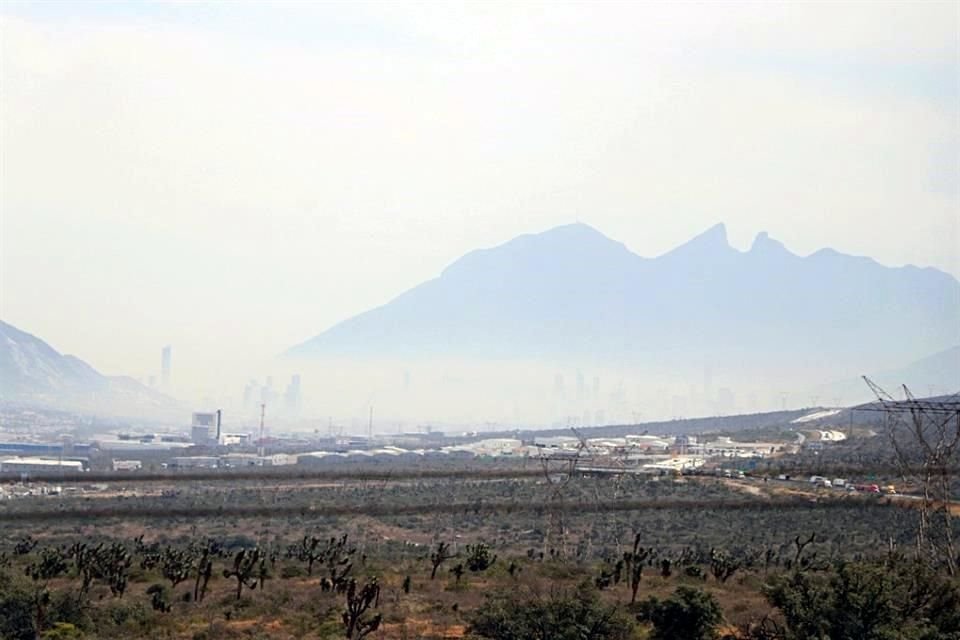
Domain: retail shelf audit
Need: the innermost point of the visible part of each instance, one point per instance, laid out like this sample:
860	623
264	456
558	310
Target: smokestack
218	426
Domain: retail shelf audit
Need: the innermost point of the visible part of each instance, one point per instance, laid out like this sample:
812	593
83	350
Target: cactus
439	556
246	569
358	602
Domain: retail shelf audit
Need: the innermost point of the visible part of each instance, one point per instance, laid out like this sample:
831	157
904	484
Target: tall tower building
292	397
165	355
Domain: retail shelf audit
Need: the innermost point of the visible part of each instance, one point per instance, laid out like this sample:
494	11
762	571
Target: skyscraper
292	397
165	355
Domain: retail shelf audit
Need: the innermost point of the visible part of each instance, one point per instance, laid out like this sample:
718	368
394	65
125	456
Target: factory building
205	428
39	465
44	448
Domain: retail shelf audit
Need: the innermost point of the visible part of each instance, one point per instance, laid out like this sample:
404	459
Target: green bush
898	599
16	610
62	631
689	614
67	609
292	571
560	616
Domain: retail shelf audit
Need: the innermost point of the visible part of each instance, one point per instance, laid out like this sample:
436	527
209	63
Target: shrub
688	614
292	571
868	601
16	611
560	616
62	631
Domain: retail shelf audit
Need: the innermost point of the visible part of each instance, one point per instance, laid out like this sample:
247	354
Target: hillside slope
34	373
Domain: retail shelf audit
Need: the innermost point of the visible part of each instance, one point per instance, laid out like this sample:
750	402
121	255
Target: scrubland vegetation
842	569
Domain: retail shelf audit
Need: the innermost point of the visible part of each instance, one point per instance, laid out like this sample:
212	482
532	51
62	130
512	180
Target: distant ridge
34	373
573	294
934	375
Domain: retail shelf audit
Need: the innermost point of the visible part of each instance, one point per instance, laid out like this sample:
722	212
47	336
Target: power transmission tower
925	434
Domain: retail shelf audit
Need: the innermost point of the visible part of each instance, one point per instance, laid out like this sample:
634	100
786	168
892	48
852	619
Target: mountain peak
713	239
544	251
763	243
575	231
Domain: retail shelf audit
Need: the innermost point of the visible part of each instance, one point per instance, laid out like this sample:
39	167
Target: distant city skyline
262	216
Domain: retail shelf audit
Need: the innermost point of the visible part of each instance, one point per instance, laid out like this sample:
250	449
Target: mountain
571	294
936	374
930	376
34	373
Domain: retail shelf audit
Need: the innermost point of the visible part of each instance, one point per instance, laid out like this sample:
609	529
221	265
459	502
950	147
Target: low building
279	459
127	465
195	462
39	465
234	460
234	439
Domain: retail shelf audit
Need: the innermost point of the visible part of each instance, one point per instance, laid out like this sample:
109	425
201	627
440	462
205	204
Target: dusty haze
232	180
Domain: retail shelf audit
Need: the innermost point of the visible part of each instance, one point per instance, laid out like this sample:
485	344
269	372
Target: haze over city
499	320
233	181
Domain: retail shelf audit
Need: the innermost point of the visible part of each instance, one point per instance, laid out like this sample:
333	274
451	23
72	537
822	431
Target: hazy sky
234	178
